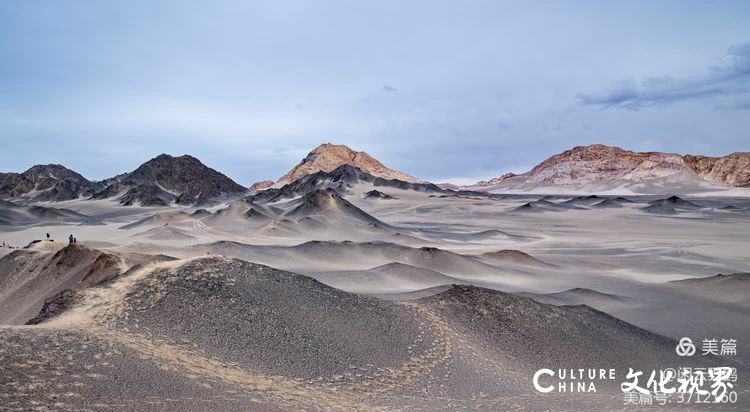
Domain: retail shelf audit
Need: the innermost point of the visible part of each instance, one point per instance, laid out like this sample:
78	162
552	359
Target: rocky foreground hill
224	334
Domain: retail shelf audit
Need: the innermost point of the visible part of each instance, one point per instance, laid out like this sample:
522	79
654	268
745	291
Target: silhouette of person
47	235
75	240
71	240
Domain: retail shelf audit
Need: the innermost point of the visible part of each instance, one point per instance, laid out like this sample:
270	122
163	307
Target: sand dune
385	279
541	206
484	235
321	256
166	232
731	208
159	219
327	204
285	227
513	256
734	288
187	230
581	296
238	212
12	214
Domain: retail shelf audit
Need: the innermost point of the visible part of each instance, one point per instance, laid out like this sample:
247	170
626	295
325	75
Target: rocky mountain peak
600	163
39	173
328	157
169	179
163	165
51	182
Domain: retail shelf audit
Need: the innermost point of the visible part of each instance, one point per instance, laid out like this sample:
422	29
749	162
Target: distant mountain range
184	180
598	167
160	181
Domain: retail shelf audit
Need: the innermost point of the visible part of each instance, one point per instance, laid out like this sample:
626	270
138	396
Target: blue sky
441	90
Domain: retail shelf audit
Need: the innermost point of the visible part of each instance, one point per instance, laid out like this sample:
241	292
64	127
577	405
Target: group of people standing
71	241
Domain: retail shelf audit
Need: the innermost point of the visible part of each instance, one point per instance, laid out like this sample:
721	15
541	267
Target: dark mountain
612	202
376	194
542	206
340	180
327	204
607	204
584	200
46	175
166	179
147	195
50	182
161	181
670	206
675	201
14	185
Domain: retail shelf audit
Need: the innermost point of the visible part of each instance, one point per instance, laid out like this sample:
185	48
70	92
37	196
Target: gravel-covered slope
226	334
269	320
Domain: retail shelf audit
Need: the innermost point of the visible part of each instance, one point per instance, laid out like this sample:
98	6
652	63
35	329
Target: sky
445	91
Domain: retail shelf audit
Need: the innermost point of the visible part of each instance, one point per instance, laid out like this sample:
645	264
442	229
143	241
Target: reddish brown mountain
328	157
730	170
601	165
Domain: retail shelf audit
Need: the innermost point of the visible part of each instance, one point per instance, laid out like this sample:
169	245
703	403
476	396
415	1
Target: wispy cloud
732	78
438	92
